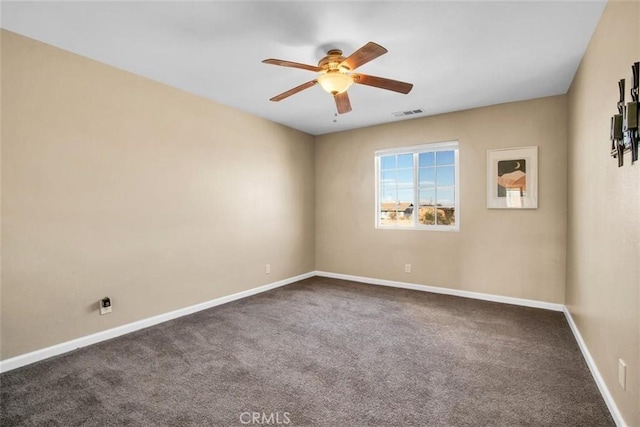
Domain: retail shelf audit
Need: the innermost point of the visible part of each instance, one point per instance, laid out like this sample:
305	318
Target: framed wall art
512	178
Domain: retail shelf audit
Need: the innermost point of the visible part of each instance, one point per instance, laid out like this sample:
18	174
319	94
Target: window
417	187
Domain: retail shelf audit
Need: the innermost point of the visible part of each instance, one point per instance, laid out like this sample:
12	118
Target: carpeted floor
322	352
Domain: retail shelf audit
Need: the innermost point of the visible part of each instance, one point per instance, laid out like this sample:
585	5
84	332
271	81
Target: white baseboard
446	291
602	386
65	347
45	353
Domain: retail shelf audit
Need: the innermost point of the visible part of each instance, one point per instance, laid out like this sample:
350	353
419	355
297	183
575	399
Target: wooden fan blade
363	55
283	63
343	103
293	91
382	83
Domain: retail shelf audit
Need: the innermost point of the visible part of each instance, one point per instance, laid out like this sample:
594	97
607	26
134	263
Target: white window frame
416	150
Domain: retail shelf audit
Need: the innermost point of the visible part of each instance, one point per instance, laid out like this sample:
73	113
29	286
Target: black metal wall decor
625	135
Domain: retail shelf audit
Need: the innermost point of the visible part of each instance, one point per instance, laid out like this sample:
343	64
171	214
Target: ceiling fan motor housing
332	61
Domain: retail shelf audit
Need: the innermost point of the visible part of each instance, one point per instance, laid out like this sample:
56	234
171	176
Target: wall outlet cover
105	305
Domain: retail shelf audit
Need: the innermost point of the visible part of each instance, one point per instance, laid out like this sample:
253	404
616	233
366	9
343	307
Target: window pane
426	216
387	162
427	177
405	178
388	212
404	213
397	214
384	220
405	195
389	194
446	175
445	196
426	159
404	218
405	160
427	196
446	216
445	158
439	216
388	177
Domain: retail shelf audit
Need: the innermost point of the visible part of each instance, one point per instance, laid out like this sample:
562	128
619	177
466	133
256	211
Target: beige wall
603	264
116	185
1	35
518	253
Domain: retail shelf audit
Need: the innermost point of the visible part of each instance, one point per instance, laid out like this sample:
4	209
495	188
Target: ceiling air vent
408	112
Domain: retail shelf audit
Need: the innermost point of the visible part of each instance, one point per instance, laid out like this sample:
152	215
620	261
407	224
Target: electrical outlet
267	269
622	374
407	268
105	305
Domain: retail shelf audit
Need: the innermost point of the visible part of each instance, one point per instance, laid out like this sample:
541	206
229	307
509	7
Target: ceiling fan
336	75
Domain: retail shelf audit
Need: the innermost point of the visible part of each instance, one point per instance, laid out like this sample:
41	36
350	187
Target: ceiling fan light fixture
335	82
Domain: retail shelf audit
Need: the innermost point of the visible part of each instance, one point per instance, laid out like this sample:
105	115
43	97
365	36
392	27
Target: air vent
408	112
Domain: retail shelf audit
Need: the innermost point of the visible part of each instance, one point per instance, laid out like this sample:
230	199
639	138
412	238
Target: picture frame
512	178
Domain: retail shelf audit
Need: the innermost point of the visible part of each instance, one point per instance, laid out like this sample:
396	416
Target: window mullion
416	194
378	187
395	186
435	202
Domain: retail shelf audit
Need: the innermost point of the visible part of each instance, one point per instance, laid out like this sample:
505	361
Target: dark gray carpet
322	352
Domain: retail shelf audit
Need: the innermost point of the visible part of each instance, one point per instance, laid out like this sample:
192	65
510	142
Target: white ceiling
458	55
